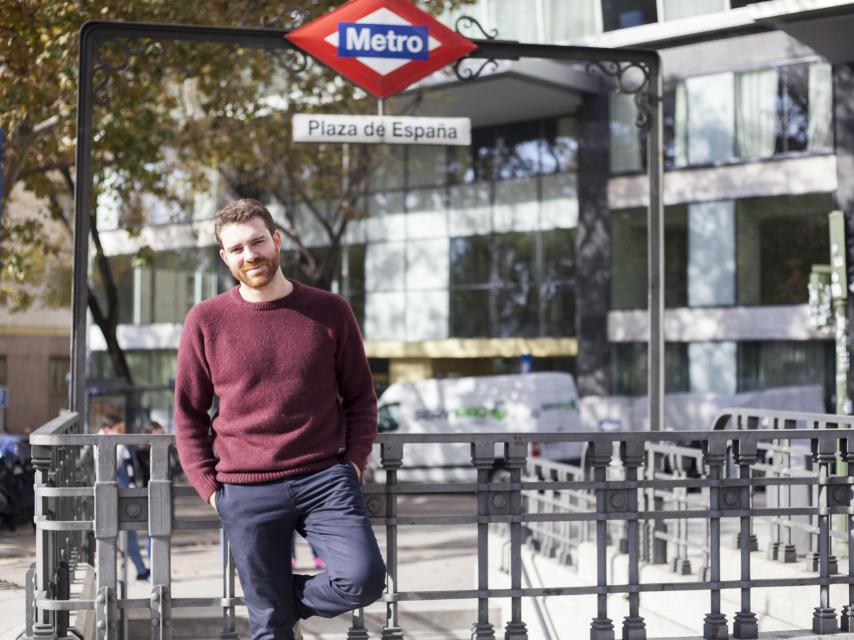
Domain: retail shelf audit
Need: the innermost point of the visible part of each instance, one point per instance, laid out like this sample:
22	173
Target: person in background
126	478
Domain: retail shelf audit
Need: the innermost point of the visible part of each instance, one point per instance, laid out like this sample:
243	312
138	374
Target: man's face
251	253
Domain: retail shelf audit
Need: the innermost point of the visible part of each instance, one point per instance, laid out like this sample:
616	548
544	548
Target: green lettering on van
558	406
480	413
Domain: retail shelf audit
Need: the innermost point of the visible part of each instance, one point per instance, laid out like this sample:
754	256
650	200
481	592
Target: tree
170	113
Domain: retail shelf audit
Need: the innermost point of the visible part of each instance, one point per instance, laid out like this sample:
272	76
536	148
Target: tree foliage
171	117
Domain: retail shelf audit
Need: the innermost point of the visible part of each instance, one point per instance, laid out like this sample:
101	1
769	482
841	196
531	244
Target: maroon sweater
295	391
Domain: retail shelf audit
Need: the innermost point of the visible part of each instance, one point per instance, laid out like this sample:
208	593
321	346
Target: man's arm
193	397
356	388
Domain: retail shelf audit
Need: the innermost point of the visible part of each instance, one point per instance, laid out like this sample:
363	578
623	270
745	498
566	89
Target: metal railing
81	510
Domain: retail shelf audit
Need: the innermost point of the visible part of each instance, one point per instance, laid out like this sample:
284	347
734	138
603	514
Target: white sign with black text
309	127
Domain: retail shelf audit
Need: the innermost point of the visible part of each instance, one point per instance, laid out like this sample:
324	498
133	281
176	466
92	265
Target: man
292	434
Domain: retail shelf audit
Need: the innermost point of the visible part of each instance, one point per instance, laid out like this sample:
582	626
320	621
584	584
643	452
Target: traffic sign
381	45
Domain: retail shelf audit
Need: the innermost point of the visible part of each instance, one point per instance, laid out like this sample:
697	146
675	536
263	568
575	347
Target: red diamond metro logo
381	45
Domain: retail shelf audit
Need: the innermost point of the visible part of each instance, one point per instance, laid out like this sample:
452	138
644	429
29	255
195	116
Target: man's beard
263	276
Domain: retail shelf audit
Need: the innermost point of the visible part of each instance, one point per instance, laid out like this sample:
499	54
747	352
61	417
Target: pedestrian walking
294	427
127	477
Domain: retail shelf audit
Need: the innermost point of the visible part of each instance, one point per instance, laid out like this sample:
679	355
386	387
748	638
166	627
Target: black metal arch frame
617	65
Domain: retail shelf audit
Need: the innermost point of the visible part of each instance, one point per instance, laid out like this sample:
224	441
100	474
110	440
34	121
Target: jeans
327	508
134	554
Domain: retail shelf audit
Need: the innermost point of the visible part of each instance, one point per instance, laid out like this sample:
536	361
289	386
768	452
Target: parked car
16	482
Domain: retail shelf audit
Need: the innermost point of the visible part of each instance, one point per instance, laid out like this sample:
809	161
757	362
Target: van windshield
388	418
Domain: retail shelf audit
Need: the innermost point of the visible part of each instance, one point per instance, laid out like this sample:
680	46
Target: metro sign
381	45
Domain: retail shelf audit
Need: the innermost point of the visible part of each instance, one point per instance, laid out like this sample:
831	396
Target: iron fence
641	489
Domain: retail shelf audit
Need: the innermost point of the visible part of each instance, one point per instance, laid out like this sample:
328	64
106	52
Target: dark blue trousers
327	508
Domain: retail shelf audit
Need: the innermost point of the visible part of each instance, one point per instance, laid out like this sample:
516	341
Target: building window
779	239
771	364
730	116
57	386
625	139
678	9
754	251
151	368
737	4
567	20
622	14
629	368
457	249
629	258
711	254
513	284
166	289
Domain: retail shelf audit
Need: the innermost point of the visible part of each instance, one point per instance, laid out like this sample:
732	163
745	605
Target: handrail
577	505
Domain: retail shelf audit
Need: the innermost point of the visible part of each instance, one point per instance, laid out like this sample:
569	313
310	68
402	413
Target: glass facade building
464	259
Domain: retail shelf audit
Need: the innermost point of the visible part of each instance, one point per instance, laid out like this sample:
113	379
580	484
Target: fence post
824	453
43	624
715	623
483	458
514	455
601	628
160	532
106	533
745	625
846	621
391	455
632	455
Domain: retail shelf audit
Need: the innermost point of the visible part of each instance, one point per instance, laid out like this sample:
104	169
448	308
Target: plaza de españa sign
382	46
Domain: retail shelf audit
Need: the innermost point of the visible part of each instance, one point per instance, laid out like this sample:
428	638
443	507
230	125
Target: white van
528	403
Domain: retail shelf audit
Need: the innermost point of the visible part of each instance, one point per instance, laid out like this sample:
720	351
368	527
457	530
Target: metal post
745	625
43	626
82	203
483	458
790	552
846	621
601	628
824	616
392	458
775	529
106	533
160	532
655	240
514	456
632	454
715	623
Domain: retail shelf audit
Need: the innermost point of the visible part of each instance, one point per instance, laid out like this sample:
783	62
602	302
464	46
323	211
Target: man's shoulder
322	297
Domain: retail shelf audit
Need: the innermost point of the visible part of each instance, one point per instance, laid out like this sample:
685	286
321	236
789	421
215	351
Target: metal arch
464	22
293	61
103	68
462	69
288	18
644	98
490	48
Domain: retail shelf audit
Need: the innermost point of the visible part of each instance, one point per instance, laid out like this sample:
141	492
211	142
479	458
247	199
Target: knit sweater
294	388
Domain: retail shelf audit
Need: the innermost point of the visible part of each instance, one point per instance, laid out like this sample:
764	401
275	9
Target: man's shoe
297	633
145	575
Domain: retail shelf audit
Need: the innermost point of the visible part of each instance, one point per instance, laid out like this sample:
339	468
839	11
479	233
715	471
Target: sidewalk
17	552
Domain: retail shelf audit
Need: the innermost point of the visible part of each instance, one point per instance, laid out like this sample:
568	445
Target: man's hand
358	471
